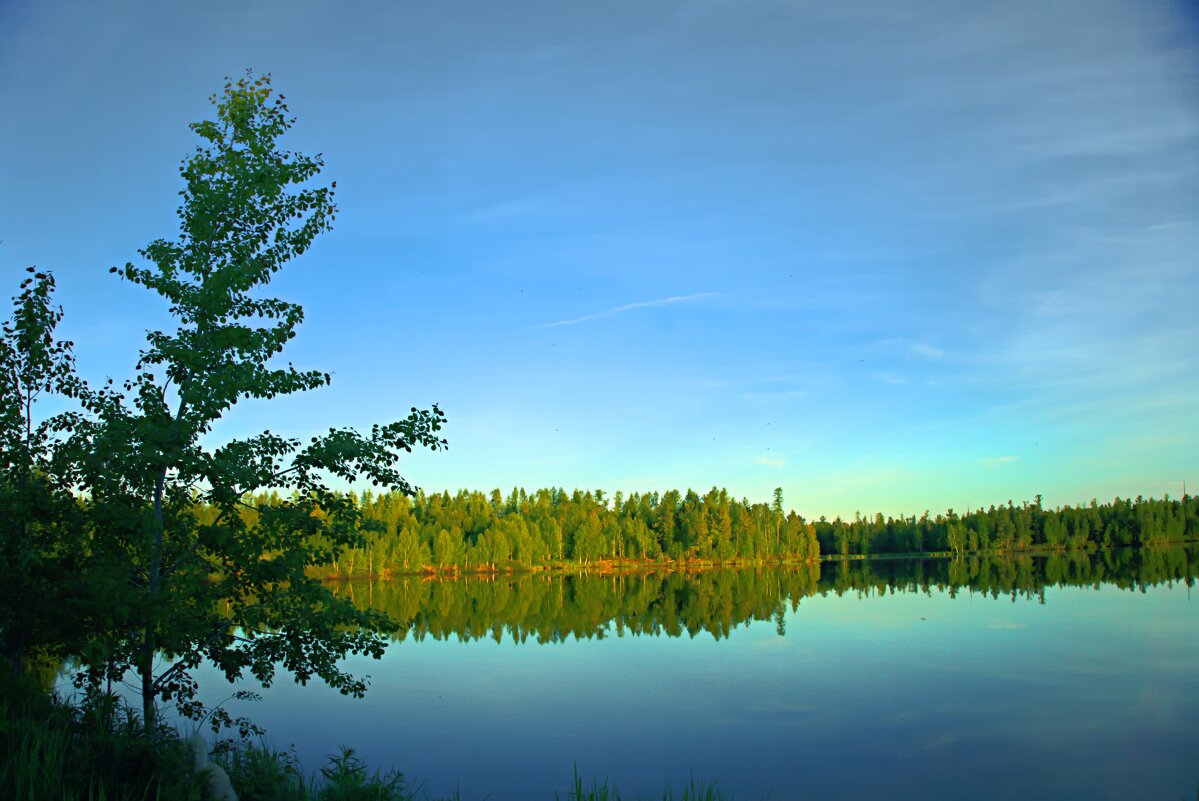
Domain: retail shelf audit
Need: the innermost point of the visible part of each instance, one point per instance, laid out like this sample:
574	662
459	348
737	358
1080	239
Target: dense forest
476	532
1010	528
548	608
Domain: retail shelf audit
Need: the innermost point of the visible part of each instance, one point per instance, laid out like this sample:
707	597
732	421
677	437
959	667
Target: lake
1037	678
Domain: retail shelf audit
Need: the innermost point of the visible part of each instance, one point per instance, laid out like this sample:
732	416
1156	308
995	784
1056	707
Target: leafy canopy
39	519
213	571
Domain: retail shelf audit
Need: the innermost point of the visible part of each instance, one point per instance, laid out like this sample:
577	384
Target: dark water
1045	678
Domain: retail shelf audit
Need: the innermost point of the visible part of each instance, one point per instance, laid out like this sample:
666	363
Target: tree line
1011	528
472	531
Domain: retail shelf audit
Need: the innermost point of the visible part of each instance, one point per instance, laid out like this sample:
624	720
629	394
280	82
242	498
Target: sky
887	256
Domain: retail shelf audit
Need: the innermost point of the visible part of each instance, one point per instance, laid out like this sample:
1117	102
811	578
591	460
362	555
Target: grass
92	752
604	791
261	773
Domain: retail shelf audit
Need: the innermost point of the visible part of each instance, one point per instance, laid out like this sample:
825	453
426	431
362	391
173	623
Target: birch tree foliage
41	607
231	588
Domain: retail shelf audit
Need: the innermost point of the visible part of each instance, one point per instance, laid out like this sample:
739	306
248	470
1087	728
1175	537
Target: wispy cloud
991	461
644	304
769	461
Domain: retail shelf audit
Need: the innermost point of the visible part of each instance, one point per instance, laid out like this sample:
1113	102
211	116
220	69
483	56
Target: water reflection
549	608
1044	677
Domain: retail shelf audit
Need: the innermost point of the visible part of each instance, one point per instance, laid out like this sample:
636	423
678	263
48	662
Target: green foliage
263	773
346	778
473	532
1007	528
94	750
551	528
40	523
190	566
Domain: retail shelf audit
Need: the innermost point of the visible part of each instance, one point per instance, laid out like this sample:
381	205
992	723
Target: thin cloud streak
644	304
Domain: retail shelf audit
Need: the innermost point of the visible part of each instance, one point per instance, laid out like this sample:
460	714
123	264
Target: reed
95	751
606	791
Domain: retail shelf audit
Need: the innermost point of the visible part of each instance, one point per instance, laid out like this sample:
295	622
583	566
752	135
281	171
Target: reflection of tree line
1015	575
550	608
473	531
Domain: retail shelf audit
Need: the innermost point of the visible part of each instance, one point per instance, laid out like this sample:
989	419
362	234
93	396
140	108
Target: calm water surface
1037	678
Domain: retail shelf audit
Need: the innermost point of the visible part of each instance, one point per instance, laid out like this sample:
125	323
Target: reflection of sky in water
1092	695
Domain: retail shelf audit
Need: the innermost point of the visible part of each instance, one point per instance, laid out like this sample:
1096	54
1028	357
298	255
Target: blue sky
890	257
